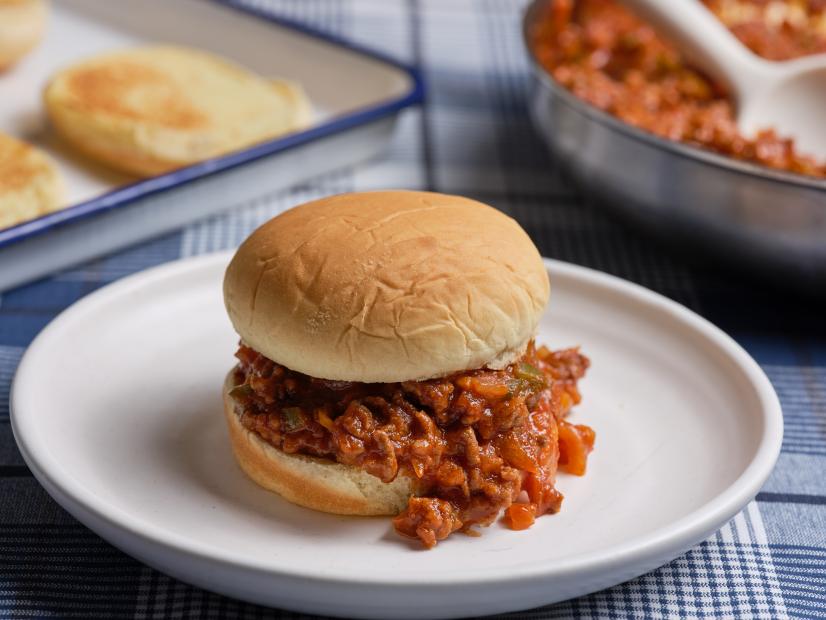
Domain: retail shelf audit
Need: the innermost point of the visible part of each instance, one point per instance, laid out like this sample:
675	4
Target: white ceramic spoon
788	96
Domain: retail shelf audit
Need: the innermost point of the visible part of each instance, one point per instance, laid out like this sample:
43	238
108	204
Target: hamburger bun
319	484
22	23
387	286
149	110
30	184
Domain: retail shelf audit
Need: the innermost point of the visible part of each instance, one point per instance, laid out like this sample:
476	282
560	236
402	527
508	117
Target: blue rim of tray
126	194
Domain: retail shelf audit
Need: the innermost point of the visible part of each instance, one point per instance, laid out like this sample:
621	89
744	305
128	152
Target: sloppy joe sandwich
387	364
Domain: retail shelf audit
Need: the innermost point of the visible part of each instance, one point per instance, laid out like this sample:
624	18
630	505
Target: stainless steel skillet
766	219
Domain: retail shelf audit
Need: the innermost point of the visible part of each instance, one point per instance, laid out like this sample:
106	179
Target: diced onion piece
515	454
575	442
520	516
325	420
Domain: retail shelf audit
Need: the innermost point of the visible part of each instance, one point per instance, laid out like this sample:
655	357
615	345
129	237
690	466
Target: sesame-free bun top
387	286
22	23
148	110
30	184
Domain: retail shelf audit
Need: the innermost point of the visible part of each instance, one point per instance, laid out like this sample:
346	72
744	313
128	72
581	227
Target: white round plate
117	410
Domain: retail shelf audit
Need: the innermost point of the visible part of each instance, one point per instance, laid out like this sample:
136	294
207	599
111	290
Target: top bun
22	23
387	286
30	184
149	110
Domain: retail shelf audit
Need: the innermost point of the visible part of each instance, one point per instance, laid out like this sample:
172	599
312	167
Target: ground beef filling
607	56
478	442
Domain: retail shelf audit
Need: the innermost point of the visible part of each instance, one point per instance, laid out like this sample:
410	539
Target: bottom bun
320	484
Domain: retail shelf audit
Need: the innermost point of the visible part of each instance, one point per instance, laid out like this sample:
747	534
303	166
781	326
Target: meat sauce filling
605	55
477	442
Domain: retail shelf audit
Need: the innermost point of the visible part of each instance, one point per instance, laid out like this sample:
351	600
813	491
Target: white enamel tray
356	94
116	408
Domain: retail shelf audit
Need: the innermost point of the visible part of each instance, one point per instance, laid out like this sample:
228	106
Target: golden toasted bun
149	110
387	286
30	185
314	483
22	23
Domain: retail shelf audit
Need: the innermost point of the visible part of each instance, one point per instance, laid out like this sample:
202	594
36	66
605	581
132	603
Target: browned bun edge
320	484
122	159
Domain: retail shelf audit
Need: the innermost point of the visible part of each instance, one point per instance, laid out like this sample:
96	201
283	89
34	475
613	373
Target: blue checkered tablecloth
472	137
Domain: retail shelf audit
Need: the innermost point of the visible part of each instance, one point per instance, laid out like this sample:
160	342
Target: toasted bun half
387	286
312	482
149	110
30	184
22	23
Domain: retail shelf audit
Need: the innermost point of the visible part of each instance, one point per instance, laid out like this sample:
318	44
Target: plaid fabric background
473	137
